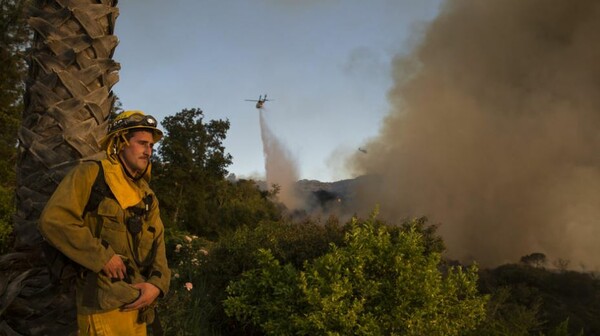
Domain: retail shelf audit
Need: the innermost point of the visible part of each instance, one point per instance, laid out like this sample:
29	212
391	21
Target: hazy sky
326	64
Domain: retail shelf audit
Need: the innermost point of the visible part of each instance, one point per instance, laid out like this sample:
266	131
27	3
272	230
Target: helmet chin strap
127	170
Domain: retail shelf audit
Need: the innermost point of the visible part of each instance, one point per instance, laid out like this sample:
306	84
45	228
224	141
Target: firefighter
104	216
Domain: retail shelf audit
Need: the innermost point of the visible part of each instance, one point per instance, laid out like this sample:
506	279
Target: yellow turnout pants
112	323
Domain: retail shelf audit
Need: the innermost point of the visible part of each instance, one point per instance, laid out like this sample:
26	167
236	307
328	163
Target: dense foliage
530	300
372	285
190	179
14	39
210	267
192	162
265	264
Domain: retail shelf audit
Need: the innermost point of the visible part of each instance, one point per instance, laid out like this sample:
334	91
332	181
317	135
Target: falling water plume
280	167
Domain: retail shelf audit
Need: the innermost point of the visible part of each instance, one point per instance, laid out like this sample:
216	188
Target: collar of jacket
125	190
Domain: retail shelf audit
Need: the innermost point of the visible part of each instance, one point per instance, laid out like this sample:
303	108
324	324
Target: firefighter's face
136	155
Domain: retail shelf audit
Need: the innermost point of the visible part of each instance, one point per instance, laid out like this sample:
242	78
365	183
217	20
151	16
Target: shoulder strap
100	190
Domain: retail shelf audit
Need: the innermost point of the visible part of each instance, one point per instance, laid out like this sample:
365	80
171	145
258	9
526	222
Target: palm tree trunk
67	104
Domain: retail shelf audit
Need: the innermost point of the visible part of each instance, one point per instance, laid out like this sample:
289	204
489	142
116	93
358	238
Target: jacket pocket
146	249
112	227
116	294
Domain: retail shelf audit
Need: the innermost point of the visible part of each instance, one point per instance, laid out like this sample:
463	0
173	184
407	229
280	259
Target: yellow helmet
128	120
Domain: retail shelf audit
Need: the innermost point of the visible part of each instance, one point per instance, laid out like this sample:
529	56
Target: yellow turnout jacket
91	239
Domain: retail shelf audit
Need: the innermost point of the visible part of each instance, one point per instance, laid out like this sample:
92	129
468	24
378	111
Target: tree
15	37
66	106
535	259
374	285
191	170
242	203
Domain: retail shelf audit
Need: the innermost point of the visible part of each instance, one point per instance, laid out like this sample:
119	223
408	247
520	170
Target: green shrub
183	310
210	267
374	284
527	300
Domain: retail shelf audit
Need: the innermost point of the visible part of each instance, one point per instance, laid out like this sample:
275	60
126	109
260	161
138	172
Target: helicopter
260	102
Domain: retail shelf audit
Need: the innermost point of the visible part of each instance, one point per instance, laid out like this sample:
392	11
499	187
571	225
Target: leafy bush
530	300
506	318
210	267
372	285
183	310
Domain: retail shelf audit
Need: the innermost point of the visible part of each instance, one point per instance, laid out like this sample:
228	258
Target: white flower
178	248
188	239
195	262
176	275
203	251
188	286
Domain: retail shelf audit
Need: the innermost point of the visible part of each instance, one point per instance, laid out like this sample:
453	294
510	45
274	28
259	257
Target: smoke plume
494	132
280	167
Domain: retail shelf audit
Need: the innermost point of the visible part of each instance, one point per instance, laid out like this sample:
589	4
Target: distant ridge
325	195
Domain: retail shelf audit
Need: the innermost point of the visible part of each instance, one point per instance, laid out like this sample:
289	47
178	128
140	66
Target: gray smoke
494	132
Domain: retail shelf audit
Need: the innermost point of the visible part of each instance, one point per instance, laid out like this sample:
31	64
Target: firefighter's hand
115	268
148	293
